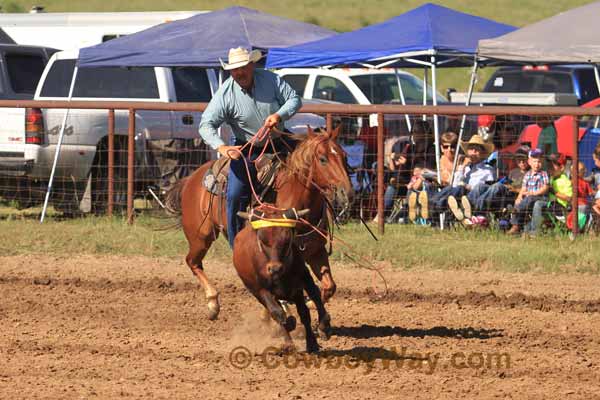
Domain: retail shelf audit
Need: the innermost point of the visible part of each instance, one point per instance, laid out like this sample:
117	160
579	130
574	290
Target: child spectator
515	176
535	187
559	196
416	181
584	190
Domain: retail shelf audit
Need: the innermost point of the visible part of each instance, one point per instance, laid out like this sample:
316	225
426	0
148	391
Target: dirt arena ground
107	327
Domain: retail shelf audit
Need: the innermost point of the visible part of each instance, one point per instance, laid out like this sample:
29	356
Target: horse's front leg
311	341
319	264
312	290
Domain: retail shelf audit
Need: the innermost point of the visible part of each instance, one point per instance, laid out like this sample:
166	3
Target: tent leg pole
402	99
436	127
464	117
58	146
597	77
425	84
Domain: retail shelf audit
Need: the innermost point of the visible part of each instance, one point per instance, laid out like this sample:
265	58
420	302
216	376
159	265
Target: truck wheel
99	178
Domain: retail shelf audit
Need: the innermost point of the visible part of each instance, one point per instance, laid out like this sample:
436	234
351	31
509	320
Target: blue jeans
439	200
524	207
238	194
486	197
388	197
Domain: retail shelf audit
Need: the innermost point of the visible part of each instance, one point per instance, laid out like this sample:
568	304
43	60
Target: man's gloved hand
230	151
272	120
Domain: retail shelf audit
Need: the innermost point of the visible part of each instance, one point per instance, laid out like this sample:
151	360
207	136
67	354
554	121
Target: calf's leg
278	314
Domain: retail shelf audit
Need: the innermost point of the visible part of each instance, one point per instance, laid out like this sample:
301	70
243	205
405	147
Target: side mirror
449	92
326	94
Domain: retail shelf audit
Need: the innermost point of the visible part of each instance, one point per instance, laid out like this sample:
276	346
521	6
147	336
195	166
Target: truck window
297	82
329	88
588	89
525	81
191	84
116	82
383	88
58	79
24	71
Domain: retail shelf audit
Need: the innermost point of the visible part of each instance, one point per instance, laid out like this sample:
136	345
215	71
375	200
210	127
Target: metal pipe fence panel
137	150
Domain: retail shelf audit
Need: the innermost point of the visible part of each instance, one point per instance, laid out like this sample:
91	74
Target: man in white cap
248	101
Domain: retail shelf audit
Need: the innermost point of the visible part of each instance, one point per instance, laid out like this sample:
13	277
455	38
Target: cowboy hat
240	57
478	140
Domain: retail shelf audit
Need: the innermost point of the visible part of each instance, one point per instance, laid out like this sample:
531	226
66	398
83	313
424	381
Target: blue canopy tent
449	36
430	36
201	41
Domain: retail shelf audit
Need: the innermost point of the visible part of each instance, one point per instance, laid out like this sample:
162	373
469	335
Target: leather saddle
215	178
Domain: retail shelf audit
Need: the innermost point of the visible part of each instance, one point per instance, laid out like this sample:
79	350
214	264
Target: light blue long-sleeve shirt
473	175
246	111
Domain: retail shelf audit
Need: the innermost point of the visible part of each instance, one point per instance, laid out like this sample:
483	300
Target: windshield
383	89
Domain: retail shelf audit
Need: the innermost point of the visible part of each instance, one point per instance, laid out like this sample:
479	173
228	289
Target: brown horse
272	269
314	173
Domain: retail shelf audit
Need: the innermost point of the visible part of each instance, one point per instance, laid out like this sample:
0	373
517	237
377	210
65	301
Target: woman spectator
418	200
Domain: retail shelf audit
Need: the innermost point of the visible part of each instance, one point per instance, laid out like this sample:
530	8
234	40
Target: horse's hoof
312	346
327	293
213	308
324	328
290	323
288	348
265	316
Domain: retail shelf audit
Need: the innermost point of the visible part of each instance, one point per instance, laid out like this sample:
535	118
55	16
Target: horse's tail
173	201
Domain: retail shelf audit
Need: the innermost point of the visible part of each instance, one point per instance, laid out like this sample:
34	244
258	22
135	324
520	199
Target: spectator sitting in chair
559	197
418	200
488	197
535	187
472	172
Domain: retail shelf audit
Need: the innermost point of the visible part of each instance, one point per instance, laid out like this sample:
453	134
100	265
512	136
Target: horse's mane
298	161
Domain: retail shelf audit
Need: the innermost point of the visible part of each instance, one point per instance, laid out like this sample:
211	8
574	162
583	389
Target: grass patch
402	246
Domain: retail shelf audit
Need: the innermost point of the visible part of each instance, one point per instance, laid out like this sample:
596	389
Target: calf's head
275	232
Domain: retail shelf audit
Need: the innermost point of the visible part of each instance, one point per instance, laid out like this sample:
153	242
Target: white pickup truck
167	142
361	86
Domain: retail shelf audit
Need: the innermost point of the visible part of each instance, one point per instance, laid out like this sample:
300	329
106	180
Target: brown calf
272	268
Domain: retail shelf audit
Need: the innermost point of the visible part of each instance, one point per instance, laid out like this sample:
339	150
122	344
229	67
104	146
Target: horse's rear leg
194	258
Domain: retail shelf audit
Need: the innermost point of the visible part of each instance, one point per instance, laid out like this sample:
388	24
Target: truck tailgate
13	151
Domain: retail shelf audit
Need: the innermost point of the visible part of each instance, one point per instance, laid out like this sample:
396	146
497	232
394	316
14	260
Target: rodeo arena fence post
371	126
